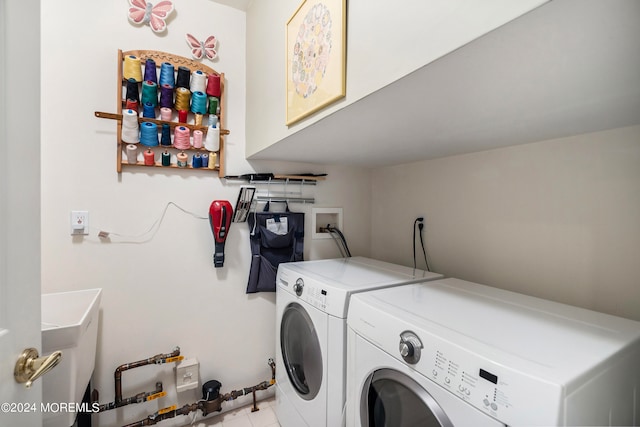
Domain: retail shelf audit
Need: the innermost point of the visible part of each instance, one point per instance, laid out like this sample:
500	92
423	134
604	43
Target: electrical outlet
79	223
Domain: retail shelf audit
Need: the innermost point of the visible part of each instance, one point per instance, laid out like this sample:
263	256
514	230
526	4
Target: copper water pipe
157	359
138	398
156	418
207	407
213	405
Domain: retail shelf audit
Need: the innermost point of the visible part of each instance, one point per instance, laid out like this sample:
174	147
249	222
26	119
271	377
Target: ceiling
566	68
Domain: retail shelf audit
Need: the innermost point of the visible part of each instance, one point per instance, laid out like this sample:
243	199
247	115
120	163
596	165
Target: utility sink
69	324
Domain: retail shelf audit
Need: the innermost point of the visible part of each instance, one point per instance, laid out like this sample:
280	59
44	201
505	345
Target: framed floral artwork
316	57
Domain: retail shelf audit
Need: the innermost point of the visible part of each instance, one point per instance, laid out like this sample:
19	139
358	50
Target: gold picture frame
316	57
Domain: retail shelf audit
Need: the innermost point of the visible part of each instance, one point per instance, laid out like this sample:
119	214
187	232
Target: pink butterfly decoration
205	48
143	12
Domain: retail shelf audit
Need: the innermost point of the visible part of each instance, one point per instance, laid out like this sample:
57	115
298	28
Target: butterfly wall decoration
200	49
143	12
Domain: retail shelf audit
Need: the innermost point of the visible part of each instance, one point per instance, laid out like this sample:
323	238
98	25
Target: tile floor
243	417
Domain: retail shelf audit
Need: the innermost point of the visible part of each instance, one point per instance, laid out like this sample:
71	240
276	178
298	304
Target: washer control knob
298	286
406	349
410	346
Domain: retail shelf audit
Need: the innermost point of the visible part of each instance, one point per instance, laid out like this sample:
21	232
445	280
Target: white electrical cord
146	237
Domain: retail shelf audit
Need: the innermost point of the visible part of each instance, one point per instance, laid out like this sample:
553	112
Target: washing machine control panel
310	293
499	391
483	385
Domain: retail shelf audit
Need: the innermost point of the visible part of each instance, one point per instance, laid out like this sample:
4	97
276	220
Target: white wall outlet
79	223
321	217
187	373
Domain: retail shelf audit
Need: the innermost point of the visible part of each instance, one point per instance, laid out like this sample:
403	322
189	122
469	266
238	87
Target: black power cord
420	223
419	219
340	241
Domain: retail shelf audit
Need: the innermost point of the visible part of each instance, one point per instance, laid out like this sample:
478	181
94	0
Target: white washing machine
312	298
455	353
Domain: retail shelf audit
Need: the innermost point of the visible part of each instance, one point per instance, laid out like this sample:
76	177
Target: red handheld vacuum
220	214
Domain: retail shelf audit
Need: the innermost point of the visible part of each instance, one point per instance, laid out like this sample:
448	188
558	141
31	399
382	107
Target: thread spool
132	104
132	90
149	92
130	119
213	121
212	140
212	160
196	161
166	96
183	98
149	158
213	85
165	138
197	138
214	104
199	102
205	160
132	68
198	81
182	116
181	138
149	134
165	114
197	119
150	70
167	74
184	76
130	128
149	111
132	154
183	159
130	135
166	158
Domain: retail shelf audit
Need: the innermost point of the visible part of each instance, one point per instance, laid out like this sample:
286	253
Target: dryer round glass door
392	399
301	352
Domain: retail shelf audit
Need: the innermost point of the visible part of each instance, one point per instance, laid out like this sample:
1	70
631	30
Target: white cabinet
385	42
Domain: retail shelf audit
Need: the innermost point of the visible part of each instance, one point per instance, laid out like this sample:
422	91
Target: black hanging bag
275	237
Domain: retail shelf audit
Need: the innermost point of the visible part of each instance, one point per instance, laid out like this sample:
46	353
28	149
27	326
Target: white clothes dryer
454	353
312	299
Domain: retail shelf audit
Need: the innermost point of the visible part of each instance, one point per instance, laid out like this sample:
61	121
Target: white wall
555	219
164	292
381	48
